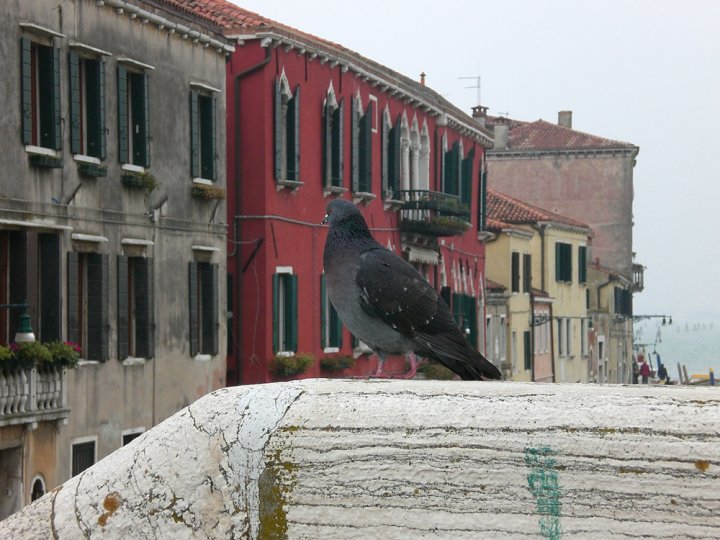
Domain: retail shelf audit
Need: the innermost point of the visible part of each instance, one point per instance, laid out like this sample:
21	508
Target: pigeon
387	304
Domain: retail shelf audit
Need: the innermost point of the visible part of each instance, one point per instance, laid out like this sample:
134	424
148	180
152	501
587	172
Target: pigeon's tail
453	351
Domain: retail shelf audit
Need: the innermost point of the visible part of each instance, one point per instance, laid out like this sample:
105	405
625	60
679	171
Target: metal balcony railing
433	213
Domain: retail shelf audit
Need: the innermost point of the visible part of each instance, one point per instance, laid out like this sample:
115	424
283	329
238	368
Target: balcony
433	213
32	395
638	272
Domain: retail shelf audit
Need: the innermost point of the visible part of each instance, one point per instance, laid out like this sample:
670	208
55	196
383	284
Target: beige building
540	257
112	226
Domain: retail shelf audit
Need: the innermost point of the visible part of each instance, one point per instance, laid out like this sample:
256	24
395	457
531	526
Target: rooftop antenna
477	84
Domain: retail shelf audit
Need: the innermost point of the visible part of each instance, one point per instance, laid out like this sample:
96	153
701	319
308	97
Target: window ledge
133	361
202	358
83	363
41	151
363	196
203	181
128	167
81	158
288	184
333	190
392	204
331	350
359	351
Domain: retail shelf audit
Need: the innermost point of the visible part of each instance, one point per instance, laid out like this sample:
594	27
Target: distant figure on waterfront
645	371
636	372
662	374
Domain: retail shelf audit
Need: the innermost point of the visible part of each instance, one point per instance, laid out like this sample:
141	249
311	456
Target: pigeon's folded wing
394	292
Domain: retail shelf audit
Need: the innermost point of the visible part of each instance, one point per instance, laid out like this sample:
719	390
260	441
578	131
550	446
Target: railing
29	395
433	213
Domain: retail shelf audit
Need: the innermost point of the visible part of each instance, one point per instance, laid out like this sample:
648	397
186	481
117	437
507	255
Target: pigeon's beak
325	220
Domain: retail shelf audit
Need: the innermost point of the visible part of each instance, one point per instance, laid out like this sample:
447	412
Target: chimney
501	137
422	79
479	113
565	119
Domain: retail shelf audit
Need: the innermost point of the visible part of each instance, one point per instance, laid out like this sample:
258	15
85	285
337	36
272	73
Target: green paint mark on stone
543	484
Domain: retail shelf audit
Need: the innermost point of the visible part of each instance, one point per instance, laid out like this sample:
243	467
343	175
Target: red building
309	120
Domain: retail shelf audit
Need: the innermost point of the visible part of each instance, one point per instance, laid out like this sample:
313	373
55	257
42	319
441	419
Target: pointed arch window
287	133
362	121
424	159
391	156
333	129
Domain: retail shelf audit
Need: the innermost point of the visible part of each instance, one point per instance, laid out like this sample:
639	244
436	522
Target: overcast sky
645	72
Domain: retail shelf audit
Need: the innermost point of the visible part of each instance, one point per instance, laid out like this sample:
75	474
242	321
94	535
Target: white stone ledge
405	459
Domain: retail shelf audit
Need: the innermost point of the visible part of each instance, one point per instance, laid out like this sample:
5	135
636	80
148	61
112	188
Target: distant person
645	371
636	372
662	373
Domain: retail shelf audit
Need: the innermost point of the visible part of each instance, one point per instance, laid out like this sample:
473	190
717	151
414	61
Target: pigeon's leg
381	363
413	366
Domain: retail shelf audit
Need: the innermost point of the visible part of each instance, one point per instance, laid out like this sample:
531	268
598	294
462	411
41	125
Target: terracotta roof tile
491	285
542	135
503	209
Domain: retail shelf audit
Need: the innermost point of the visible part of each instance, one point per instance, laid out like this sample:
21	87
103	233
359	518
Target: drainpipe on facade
237	316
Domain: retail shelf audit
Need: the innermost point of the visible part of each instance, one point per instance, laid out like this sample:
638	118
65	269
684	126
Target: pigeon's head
344	215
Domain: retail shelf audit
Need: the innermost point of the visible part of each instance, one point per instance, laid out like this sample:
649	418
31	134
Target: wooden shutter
482	203
279	127
527	272
56	116
73	298
395	158
367	149
26	89
582	264
194	135
339	143
123	316
324	341
291	311
123	120
75	105
150	307
558	262
276	312
49	248
212	128
527	349
140	130
97	304
467	170
335	328
210	308
294	147
95	107
193	306
101	121
327	145
384	158
515	272
355	157
146	120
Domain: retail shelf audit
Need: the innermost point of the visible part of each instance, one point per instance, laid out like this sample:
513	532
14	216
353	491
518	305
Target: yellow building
541	259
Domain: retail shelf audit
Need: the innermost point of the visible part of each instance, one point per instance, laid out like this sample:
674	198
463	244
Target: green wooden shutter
276	312
146	120
212	128
150	316
75	111
335	328
294	148
193	306
102	120
210	309
582	264
323	314
327	146
97	304
142	304
467	170
482	203
291	311
395	158
339	144
355	157
385	149
73	298
123	319
26	89
123	120
194	135
527	349
278	131
527	272
367	150
56	113
50	287
558	262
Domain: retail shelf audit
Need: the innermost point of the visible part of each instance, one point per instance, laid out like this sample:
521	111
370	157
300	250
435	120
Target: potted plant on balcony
7	358
287	366
27	355
207	192
144	180
63	354
337	363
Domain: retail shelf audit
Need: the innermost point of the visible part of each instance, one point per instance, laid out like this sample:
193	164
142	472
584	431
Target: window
88	325
203	154
135	324
133	117
87	105
37	284
333	127
564	336
40	94
330	323
622	302
482	199
203	286
527	350
391	157
582	264
452	165
424	159
466	170
130	435
83	456
285	320
527	272
361	146
287	131
515	272
563	262
465	313
584	329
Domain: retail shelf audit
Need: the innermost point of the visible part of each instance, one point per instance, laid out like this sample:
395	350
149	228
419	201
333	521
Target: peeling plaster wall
399	459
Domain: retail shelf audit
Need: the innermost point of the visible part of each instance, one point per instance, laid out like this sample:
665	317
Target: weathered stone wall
400	459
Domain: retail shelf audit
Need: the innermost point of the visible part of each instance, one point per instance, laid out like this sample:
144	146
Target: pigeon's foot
410	374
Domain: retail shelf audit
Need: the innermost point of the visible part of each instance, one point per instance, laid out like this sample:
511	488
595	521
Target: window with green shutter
582	264
87	105
527	350
87	303
133	117
515	272
333	127
482	200
287	132
361	146
452	170
40	94
285	319
527	272
135	323
465	313
203	153
563	262
330	324
204	308
466	179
